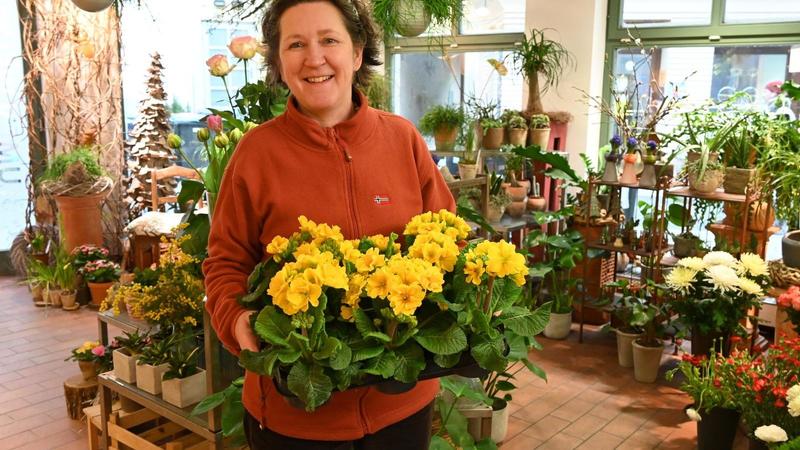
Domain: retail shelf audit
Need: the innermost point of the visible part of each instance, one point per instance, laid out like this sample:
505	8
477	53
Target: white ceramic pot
558	326
467	171
92	5
646	362
499	424
148	377
625	347
183	392
125	365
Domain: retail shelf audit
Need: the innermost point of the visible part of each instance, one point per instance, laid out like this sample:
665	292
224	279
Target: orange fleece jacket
369	174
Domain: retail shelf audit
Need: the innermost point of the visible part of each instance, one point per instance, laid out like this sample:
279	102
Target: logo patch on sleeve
381	200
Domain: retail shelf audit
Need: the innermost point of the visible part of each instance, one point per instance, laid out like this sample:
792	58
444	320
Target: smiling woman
323	51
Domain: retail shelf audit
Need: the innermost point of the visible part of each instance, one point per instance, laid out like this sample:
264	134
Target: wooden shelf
725	227
718	195
628	185
628	249
478	181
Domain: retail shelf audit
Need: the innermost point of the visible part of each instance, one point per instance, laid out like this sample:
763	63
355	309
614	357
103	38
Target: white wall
580	26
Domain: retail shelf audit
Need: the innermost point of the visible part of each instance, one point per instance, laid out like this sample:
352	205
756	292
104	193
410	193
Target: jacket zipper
349	182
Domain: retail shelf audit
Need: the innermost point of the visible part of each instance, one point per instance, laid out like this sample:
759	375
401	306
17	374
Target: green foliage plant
133	341
232	413
624	306
490	123
540	121
536	56
703	378
649	315
182	362
156	351
497	195
516	123
83	154
389	17
441	117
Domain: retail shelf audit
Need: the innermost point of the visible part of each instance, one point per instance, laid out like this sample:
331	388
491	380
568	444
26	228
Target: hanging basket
93	5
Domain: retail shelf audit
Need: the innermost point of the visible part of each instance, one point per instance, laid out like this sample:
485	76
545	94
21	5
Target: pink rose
214	123
243	47
218	65
99	351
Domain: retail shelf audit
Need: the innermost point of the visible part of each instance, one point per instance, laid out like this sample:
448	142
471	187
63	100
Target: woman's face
317	61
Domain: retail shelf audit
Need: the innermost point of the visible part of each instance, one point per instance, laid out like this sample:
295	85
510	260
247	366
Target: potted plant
152	363
647	349
561	253
516	187
539	131
610	174
130	345
100	275
411	18
184	383
630	158
65	277
468	162
443	123
739	158
536	202
492	133
517	129
77	182
622	310
38	244
714	407
538	56
712	296
649	177
498	199
92	358
41	279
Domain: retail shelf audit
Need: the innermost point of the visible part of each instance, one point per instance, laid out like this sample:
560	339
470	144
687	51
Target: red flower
759	384
780	403
735	339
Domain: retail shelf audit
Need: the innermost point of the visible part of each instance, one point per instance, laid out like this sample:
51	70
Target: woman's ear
358	57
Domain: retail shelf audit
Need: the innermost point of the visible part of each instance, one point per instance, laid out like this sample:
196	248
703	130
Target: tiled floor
589	402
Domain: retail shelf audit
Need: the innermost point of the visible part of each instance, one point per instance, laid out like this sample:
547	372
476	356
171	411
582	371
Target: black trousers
411	433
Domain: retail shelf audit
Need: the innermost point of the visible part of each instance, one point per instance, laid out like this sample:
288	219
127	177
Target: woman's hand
243	332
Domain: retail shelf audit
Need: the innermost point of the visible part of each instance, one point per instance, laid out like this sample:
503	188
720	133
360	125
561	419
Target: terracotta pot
517	193
99	291
82	220
183	392
37	292
558	326
125	365
736	180
537	204
492	139
445	138
709	183
646	362
625	347
628	173
148	377
540	137
516	209
68	299
54	297
495	213
413	19
517	136
88	369
467	171
762	216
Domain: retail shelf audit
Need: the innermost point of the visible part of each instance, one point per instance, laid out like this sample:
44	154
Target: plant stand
78	394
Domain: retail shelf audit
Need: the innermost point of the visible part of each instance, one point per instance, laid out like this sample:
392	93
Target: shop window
763	11
676	13
493	16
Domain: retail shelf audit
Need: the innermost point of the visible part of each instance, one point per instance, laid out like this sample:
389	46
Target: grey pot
791	249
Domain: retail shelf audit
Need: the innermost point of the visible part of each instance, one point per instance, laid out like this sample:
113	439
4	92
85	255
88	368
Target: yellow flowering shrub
336	312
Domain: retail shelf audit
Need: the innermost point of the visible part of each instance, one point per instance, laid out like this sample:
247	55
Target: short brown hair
357	19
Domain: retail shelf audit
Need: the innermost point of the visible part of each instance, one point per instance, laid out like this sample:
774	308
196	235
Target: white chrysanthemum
693	263
693	414
793	392
720	259
771	433
680	278
794	407
750	287
752	264
723	278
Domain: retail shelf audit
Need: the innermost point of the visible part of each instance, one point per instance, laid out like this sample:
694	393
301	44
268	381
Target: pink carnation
99	351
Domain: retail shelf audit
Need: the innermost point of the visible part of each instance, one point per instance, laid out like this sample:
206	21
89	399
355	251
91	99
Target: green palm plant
537	56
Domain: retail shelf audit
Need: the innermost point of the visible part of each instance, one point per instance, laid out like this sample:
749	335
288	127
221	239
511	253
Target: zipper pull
347	156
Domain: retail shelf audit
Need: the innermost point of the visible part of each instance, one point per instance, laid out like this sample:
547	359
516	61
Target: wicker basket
783	275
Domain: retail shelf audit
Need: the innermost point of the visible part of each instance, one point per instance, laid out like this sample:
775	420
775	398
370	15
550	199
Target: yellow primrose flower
306	249
504	259
431	279
346	312
378	284
333	275
406	299
278	285
277	246
302	293
306	225
370	260
355	287
474	270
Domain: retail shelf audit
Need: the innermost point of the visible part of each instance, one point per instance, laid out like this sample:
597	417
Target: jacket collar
352	131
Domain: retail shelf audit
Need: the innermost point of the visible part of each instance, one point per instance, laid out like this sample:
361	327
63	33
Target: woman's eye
295	45
330	41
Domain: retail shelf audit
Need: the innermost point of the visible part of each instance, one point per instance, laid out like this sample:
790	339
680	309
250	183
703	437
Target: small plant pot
99	292
467	171
516	209
413	18
625	347
558	326
517	193
37	293
445	139
790	245
183	392
610	174
500	423
69	300
54	297
148	377
684	247
737	180
628	174
646	362
717	429
495	213
540	137
709	183
88	369
125	365
648	177
492	139
517	136
537	204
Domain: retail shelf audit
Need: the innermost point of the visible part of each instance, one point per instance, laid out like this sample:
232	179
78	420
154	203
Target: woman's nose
315	56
